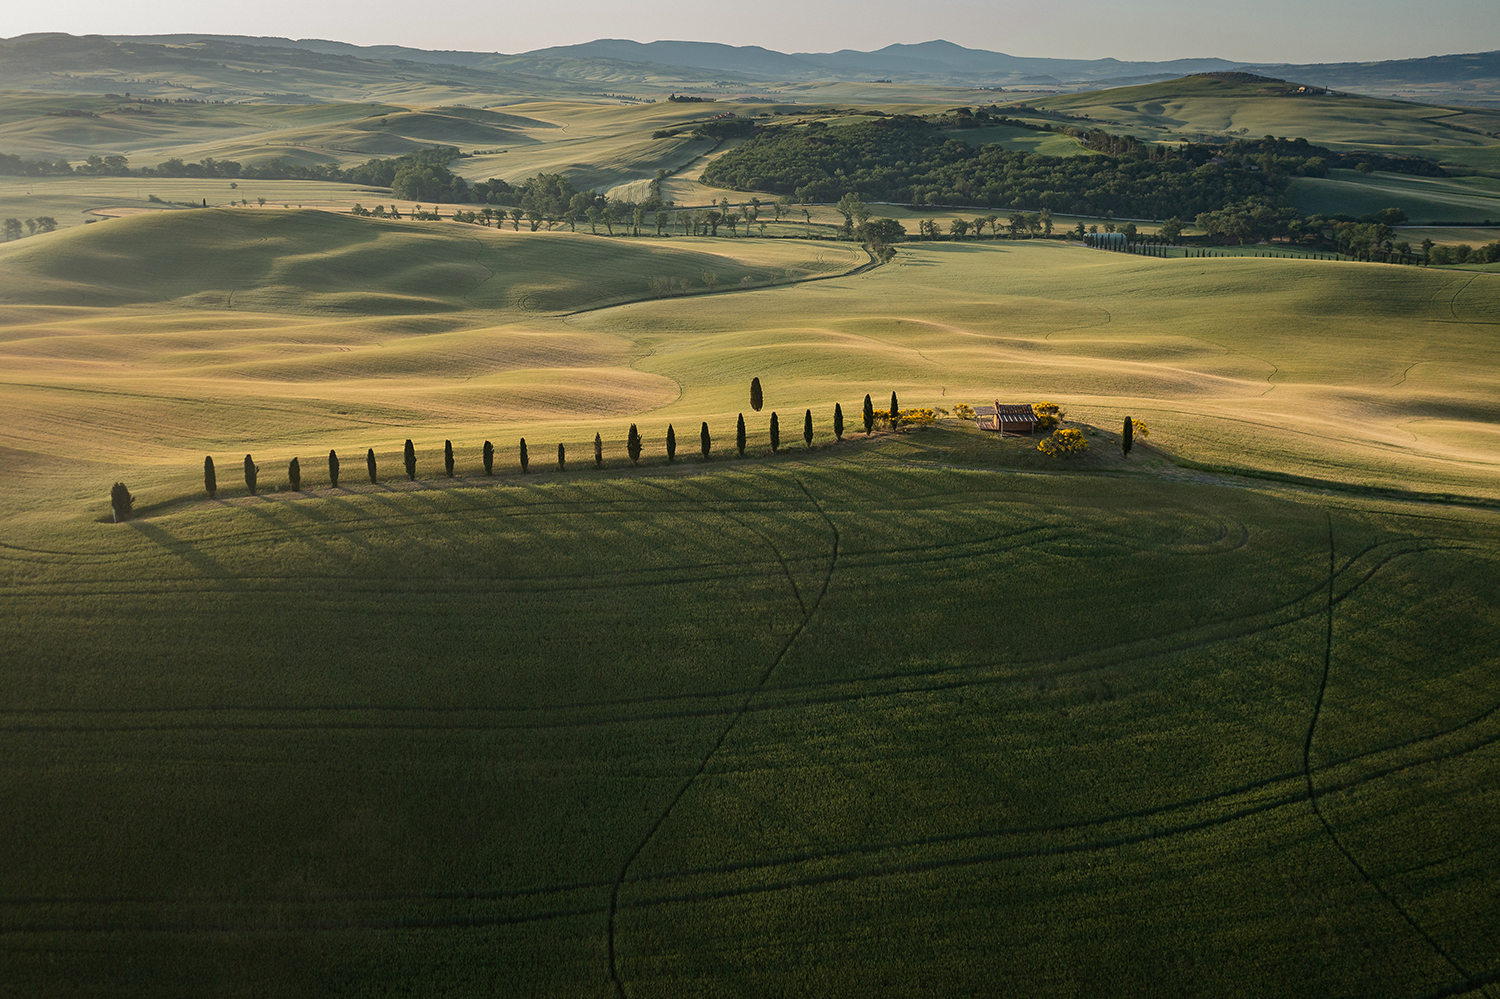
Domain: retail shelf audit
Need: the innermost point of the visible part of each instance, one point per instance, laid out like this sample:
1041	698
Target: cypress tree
807	428
121	502
489	458
294	475
370	463
562	459
410	455
525	461
671	444
598	451
775	433
895	412
838	421
756	398
333	469
705	440
448	458
1127	438
739	435
251	471
633	445
210	480
869	415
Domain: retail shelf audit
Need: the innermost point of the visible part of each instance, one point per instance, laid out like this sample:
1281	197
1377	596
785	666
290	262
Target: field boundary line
614	895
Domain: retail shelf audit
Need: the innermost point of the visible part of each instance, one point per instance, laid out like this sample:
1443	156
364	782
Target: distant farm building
1008	419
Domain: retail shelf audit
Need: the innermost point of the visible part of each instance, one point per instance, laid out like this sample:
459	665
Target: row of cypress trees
634	445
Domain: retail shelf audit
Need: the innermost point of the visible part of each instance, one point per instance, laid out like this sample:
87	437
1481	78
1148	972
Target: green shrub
210	480
370	463
121	502
775	433
294	475
333	469
705	440
525	460
671	444
409	453
739	435
633	445
252	472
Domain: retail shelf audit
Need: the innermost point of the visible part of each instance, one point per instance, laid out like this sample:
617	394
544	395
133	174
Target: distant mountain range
617	63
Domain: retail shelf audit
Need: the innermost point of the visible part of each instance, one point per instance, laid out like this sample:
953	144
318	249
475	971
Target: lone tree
671	444
775	433
489	458
838	421
411	461
562	459
598	451
705	440
633	445
525	461
370	464
121	502
210	480
869	415
895	412
448	458
1127	437
807	428
333	469
251	471
739	435
756	398
294	475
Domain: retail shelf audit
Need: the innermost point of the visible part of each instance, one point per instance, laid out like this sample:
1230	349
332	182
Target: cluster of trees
1462	253
913	161
11	228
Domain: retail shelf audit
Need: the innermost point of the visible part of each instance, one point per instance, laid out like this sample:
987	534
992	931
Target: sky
1250	31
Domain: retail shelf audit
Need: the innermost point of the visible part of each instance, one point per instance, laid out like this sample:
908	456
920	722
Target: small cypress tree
562	459
1127	438
671	444
756	398
633	445
705	440
294	475
598	451
333	469
251	472
739	435
869	415
895	412
121	502
210	480
410	454
838	421
370	463
525	461
775	433
807	428
489	458
448	458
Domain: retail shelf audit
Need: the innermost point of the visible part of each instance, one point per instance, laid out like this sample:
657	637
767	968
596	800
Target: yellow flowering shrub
1048	415
1063	443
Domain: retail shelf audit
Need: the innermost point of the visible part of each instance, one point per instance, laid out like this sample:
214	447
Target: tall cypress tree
598	451
756	398
705	440
838	422
448	458
525	461
410	455
294	475
1127	438
252	470
210	480
370	464
562	459
869	415
489	458
895	412
807	428
333	468
775	433
633	445
671	444
739	435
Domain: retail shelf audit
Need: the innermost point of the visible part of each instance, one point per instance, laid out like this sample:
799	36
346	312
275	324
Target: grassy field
1470	200
919	713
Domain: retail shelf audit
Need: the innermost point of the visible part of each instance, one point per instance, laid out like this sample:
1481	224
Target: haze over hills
236	65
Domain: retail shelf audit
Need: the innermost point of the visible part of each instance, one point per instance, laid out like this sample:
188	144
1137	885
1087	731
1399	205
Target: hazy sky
1242	30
